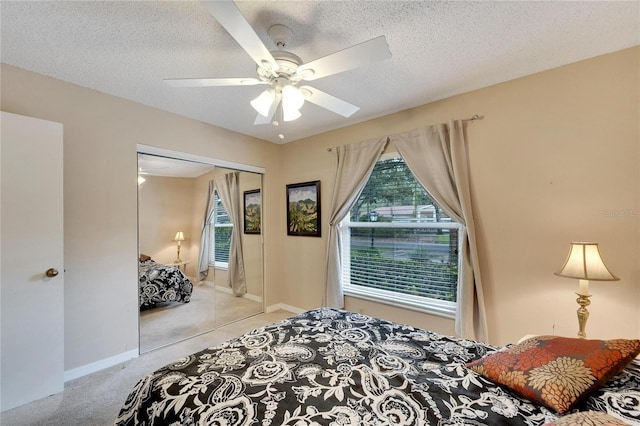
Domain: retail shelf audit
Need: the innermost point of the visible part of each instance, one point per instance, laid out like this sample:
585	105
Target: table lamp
179	237
585	263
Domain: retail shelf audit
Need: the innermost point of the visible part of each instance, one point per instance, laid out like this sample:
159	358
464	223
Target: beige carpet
96	399
209	308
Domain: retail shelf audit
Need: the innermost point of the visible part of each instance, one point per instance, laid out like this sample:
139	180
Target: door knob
51	272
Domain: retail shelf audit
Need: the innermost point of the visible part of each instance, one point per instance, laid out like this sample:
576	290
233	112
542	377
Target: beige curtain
205	236
437	156
228	187
355	164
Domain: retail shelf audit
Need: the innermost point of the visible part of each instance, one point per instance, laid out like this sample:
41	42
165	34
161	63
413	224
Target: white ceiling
439	49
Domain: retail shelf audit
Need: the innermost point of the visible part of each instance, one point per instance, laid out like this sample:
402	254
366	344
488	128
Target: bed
161	283
334	367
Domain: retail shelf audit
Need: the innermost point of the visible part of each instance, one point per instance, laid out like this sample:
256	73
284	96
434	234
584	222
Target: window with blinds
220	234
399	247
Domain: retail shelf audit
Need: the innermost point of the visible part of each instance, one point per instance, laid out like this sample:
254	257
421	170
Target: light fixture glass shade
292	101
179	236
262	104
585	263
290	115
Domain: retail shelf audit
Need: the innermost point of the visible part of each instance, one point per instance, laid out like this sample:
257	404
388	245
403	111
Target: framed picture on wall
303	209
252	211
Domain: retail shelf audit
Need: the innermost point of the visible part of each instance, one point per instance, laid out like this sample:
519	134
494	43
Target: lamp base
583	313
178	255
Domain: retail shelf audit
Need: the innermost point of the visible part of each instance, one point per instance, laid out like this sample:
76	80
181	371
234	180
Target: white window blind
399	247
220	228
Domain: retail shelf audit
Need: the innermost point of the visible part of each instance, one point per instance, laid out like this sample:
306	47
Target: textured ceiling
439	49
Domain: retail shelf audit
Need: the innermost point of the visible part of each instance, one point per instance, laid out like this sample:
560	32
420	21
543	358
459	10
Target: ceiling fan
283	71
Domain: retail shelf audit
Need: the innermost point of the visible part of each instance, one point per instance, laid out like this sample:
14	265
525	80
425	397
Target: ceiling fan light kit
262	103
292	101
283	70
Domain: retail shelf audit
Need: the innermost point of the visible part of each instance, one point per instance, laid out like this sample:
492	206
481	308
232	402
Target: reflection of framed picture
252	203
303	209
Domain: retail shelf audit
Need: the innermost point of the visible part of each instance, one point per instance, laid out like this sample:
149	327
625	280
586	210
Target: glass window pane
393	194
418	265
221	216
222	243
220	232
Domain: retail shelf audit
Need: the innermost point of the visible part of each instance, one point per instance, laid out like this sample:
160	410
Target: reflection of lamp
179	237
140	180
585	263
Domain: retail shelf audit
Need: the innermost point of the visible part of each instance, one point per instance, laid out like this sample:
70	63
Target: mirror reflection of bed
174	303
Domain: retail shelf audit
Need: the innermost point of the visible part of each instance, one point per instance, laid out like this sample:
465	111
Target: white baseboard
253	297
126	356
285	307
227	290
99	365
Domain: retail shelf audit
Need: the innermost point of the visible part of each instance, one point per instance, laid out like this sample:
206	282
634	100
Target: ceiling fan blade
328	101
261	119
227	13
352	57
210	82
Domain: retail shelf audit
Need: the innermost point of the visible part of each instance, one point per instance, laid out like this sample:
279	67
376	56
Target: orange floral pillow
557	371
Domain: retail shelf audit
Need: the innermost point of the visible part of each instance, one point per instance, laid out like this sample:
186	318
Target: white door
31	242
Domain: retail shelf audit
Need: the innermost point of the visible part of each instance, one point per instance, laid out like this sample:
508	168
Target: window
399	247
220	232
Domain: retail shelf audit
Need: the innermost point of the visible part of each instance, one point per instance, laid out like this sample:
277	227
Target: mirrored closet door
176	301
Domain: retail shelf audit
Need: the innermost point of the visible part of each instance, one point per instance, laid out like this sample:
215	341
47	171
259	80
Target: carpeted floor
95	400
209	308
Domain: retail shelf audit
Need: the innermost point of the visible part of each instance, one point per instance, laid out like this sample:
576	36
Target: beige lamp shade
179	236
585	263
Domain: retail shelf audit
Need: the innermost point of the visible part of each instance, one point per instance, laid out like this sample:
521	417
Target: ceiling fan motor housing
287	62
280	35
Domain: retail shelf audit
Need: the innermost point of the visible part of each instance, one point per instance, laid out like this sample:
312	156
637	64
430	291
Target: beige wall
165	206
554	153
100	137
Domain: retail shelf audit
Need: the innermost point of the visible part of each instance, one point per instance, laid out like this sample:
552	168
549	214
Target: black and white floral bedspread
331	367
162	283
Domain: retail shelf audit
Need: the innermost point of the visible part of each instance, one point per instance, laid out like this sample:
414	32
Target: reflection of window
220	231
399	247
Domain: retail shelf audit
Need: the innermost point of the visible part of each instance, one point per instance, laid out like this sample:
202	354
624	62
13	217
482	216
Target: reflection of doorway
172	199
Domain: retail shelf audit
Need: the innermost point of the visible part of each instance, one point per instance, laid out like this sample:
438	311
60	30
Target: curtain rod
473	118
